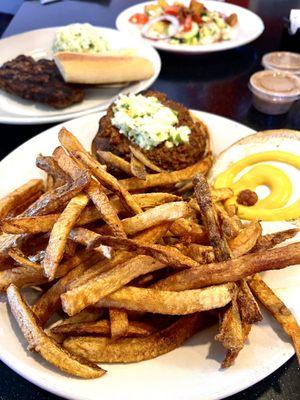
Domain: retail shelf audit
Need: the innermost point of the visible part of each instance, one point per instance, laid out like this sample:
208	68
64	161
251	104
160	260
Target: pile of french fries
132	273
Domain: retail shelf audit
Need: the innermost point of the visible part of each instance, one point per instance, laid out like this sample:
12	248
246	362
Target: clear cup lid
282	60
275	83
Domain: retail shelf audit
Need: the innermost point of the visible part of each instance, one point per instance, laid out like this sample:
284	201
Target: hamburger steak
39	81
110	139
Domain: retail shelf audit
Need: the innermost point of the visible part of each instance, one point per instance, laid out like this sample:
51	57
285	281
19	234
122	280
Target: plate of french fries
130	288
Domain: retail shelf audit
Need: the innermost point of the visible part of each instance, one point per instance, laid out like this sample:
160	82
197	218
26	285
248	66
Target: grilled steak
39	81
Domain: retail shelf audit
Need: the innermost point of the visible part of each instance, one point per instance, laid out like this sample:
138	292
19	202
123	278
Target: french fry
49	165
19	195
248	307
17	255
209	218
144	159
231	355
44	345
233	270
119	324
133	350
137	168
230	225
277	309
59	234
154	216
50	302
199	253
268	241
246	239
27	276
189	231
114	161
166	178
85	237
102	328
167	302
89	293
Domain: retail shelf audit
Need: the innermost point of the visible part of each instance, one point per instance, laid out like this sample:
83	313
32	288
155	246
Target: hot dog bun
100	69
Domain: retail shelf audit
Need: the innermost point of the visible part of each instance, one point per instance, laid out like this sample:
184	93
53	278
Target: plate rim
57	118
200	49
12	361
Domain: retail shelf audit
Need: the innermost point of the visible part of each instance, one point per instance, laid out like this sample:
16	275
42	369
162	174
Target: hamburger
162	129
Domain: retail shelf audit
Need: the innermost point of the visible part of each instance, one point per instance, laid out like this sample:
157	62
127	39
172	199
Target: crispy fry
277	309
167	178
59	234
50	302
230	226
108	180
119	323
246	239
248	307
137	168
85	236
49	165
80	297
231	355
38	224
233	270
19	195
154	216
268	241
167	302
44	345
230	330
102	328
27	276
17	255
209	218
199	253
189	231
144	159
114	161
139	349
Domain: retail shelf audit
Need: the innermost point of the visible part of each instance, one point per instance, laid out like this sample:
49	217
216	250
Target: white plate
38	44
250	27
190	372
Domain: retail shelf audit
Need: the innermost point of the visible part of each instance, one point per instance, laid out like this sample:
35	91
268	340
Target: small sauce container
283	61
274	92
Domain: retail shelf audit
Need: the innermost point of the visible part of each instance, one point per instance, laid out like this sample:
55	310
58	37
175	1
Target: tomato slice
139	18
187	26
172	10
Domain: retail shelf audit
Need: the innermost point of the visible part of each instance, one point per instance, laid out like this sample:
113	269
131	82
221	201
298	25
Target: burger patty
110	139
39	81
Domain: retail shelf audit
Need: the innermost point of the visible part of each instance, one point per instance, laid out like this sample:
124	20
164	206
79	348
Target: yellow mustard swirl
272	207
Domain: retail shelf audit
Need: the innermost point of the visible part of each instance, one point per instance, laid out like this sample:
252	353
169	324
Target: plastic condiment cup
283	61
274	92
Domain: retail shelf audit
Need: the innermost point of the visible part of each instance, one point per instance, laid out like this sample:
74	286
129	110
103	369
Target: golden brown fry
233	270
199	253
85	237
87	294
50	302
17	255
49	165
44	345
278	310
189	231
209	219
114	161
144	159
246	239
59	234
139	349
137	168
248	307
230	330
27	276
268	241
231	355
230	226
108	180
167	178
167	302
154	216
38	224
119	323
102	328
19	195
22	207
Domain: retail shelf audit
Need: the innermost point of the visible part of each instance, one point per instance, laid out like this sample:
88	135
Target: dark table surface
216	83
